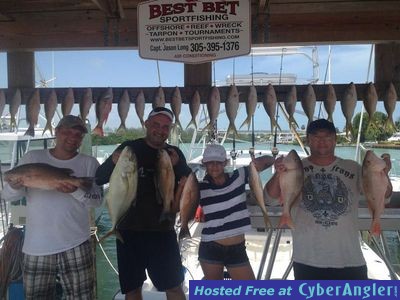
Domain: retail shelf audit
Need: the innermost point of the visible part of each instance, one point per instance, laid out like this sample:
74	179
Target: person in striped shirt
226	217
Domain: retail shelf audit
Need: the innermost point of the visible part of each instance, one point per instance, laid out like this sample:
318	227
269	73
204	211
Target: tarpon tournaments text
296	289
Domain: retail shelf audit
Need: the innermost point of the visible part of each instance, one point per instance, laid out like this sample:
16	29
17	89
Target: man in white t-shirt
57	233
325	238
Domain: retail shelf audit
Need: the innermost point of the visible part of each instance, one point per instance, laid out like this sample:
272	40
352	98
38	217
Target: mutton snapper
46	177
375	182
122	189
165	183
291	182
188	204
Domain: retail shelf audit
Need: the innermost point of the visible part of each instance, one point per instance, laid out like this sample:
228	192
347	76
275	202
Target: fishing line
277	103
105	254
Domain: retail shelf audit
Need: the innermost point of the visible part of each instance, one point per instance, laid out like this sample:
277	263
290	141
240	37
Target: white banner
193	31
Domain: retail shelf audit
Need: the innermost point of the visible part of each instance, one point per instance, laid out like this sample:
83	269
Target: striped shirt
225	210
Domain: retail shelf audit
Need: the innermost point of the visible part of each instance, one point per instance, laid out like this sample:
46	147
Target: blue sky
124	68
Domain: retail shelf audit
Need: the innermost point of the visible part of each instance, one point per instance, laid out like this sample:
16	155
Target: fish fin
48	127
98	131
118	235
376	227
184	233
30	131
349	128
286	221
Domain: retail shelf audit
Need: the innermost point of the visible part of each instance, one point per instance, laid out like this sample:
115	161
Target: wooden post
387	63
198	75
21	69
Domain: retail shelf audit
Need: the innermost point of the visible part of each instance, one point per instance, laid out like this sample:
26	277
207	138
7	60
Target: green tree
373	130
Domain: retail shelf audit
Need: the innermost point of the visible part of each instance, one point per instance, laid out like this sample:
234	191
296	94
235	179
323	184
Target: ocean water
107	279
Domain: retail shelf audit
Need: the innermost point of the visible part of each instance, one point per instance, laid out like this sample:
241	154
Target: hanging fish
50	107
270	101
68	102
103	108
290	104
32	112
140	103
251	105
123	109
348	104
159	98
330	102
389	102
231	107
370	101
14	106
194	106
85	104
176	104
308	102
213	104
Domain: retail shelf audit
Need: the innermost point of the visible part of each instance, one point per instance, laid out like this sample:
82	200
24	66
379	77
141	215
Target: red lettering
221	7
170	9
208	6
233	5
155	11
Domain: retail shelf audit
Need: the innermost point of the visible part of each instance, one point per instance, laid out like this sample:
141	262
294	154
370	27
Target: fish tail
30	131
376	227
349	128
389	124
108	234
293	121
274	124
178	123
121	129
330	118
98	131
184	233
13	122
48	127
166	216
192	122
267	221
247	121
86	183
286	221
118	235
232	129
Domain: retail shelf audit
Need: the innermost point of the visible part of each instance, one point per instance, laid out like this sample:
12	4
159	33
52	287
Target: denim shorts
229	256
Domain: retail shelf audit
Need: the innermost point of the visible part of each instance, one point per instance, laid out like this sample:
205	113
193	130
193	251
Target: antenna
43	82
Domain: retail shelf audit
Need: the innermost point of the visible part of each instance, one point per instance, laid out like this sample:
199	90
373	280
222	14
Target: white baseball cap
214	152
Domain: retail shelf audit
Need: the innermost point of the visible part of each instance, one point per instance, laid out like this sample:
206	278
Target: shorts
229	256
74	266
306	272
158	252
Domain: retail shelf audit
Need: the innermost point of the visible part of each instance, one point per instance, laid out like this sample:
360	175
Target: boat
395	137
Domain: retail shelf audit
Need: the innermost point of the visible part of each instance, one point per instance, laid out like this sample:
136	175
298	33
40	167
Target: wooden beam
21	69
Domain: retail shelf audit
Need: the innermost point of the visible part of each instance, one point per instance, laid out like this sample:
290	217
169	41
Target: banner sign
193	31
293	289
